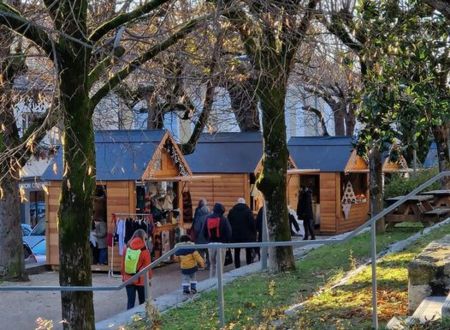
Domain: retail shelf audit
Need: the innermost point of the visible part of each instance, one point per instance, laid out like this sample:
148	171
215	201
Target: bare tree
70	42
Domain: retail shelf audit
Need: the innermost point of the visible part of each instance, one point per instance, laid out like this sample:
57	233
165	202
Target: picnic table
417	208
440	197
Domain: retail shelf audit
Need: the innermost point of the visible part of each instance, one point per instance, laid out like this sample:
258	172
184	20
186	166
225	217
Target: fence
264	245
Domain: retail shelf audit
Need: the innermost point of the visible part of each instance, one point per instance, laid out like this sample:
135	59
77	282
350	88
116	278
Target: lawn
256	300
349	306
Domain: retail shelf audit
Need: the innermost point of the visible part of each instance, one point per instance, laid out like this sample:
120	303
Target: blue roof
326	153
121	155
226	153
432	157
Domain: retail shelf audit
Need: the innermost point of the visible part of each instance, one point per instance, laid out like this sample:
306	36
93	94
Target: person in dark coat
200	214
217	229
243	229
305	212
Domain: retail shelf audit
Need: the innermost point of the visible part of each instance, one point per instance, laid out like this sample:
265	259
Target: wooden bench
435	214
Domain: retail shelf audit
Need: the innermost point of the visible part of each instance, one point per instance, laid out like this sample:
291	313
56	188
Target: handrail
371	222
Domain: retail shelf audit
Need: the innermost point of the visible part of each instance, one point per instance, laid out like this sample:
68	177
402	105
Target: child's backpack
132	260
213	226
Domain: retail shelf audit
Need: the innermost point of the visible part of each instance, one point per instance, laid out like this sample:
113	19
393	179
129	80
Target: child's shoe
186	289
194	287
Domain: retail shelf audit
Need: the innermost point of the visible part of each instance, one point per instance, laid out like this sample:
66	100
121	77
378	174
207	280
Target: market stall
340	184
139	179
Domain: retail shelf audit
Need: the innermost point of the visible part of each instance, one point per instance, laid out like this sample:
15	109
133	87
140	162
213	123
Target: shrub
397	185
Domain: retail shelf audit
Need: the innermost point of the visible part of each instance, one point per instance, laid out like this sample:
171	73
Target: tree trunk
376	186
11	251
245	105
78	182
75	211
272	182
440	133
339	120
350	119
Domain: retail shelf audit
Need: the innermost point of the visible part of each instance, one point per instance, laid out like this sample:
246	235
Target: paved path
34	304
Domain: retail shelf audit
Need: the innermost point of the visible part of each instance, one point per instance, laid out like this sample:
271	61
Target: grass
260	298
349	306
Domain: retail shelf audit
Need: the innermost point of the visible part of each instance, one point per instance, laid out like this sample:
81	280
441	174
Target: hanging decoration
175	158
348	199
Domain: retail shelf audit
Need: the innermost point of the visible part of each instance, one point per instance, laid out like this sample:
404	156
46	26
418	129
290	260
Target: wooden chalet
230	160
135	168
338	178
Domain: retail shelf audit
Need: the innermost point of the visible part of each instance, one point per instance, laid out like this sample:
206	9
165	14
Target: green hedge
397	185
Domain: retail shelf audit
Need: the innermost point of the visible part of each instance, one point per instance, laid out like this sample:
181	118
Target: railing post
146	286
373	235
265	235
219	271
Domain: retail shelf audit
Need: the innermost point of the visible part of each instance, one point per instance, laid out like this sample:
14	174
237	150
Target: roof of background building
326	153
226	153
121	155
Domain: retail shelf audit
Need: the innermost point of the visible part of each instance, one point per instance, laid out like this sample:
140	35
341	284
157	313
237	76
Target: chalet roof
226	153
432	157
326	153
121	155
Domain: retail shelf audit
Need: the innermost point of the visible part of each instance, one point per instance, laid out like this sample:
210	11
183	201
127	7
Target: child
189	259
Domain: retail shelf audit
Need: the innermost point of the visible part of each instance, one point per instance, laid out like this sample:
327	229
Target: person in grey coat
100	235
201	212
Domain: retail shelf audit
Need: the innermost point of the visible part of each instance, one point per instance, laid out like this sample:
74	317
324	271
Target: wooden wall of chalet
121	198
51	233
332	219
225	189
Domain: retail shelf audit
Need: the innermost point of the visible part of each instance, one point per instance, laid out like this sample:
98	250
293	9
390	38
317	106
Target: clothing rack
127	215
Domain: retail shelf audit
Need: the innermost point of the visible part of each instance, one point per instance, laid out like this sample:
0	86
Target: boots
194	287
186	288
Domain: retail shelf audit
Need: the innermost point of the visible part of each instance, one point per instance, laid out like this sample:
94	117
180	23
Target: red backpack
213	226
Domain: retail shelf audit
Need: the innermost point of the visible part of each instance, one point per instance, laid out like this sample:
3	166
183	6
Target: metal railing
264	245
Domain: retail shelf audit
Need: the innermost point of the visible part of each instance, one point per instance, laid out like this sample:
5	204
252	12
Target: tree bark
441	133
376	186
11	252
75	211
272	181
244	104
339	119
350	119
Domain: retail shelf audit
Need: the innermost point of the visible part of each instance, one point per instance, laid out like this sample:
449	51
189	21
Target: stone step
445	311
429	309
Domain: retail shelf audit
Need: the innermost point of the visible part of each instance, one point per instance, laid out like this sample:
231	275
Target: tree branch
12	19
319	115
117	21
443	6
148	55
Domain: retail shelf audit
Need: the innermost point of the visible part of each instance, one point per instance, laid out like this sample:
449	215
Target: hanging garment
187	207
128	230
120	231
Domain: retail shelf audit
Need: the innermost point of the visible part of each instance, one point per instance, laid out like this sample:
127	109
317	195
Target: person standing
305	212
217	229
100	235
200	214
243	228
136	256
189	259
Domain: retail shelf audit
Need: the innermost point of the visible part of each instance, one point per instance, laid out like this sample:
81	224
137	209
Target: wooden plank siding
225	189
328	202
51	233
121	198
